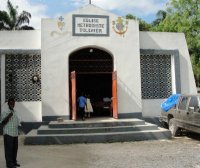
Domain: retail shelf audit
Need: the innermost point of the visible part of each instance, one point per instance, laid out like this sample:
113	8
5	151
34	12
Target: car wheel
173	127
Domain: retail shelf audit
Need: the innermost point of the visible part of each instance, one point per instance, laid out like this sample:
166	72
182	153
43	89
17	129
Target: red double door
114	95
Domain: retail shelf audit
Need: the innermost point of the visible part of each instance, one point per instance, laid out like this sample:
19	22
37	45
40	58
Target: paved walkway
181	152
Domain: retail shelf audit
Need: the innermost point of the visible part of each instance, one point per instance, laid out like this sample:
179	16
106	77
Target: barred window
156	78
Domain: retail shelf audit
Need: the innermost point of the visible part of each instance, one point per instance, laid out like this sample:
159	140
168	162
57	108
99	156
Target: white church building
96	52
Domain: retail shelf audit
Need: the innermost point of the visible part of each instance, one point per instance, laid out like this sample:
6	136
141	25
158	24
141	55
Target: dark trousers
82	112
10	147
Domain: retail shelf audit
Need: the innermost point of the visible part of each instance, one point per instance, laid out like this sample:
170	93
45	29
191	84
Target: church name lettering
99	26
91	20
90	25
91	30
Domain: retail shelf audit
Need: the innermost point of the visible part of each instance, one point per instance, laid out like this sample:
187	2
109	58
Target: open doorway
93	68
99	87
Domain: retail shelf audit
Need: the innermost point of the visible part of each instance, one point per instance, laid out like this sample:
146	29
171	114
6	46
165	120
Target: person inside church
88	107
81	105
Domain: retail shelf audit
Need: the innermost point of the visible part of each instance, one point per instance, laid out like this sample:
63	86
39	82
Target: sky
144	9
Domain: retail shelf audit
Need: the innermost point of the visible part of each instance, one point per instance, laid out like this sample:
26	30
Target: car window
183	103
194	103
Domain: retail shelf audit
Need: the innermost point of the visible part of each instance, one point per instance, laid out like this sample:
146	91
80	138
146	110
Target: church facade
98	53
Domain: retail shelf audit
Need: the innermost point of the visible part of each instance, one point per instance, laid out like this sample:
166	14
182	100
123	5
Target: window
194	103
156	78
19	71
183	103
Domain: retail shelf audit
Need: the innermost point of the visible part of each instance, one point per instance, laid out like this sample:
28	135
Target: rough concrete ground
180	152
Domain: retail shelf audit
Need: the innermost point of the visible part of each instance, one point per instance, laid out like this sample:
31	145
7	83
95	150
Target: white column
173	74
2	80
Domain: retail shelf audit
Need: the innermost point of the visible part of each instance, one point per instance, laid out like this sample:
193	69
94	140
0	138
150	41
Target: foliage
130	16
196	70
11	20
161	15
183	16
143	26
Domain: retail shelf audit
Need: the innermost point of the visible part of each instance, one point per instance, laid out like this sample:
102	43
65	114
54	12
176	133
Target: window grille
156	78
19	72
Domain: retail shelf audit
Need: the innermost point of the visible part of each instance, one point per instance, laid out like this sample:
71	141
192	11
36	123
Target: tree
11	20
143	26
196	70
184	16
161	15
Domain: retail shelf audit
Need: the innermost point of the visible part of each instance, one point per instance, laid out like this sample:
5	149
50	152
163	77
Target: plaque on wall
90	25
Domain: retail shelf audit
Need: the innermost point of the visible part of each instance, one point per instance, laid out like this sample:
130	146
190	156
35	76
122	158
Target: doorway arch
93	69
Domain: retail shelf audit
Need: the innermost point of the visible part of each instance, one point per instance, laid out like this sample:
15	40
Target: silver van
184	115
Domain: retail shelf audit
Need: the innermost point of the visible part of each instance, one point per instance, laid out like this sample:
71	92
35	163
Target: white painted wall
27	111
20	40
23	39
168	41
151	107
56	49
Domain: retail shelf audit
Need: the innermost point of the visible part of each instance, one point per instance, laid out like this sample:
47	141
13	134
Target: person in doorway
10	122
88	107
81	106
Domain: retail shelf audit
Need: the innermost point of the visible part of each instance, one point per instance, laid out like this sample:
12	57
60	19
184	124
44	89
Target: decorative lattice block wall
156	78
19	72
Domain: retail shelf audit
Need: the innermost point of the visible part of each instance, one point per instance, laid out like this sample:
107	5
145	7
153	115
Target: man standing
81	106
10	122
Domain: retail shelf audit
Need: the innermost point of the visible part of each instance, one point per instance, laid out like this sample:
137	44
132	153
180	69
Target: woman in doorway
88	107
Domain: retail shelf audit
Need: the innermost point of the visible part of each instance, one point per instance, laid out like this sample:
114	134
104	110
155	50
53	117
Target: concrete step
47	139
78	130
100	130
96	123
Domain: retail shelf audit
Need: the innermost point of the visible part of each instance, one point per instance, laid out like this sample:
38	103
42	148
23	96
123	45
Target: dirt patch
179	152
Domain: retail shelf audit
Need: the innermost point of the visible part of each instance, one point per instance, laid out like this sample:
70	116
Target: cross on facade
61	18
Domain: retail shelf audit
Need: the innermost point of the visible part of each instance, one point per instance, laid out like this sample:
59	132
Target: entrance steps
98	130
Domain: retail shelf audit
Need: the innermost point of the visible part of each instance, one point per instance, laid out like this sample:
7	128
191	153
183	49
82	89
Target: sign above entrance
90	25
